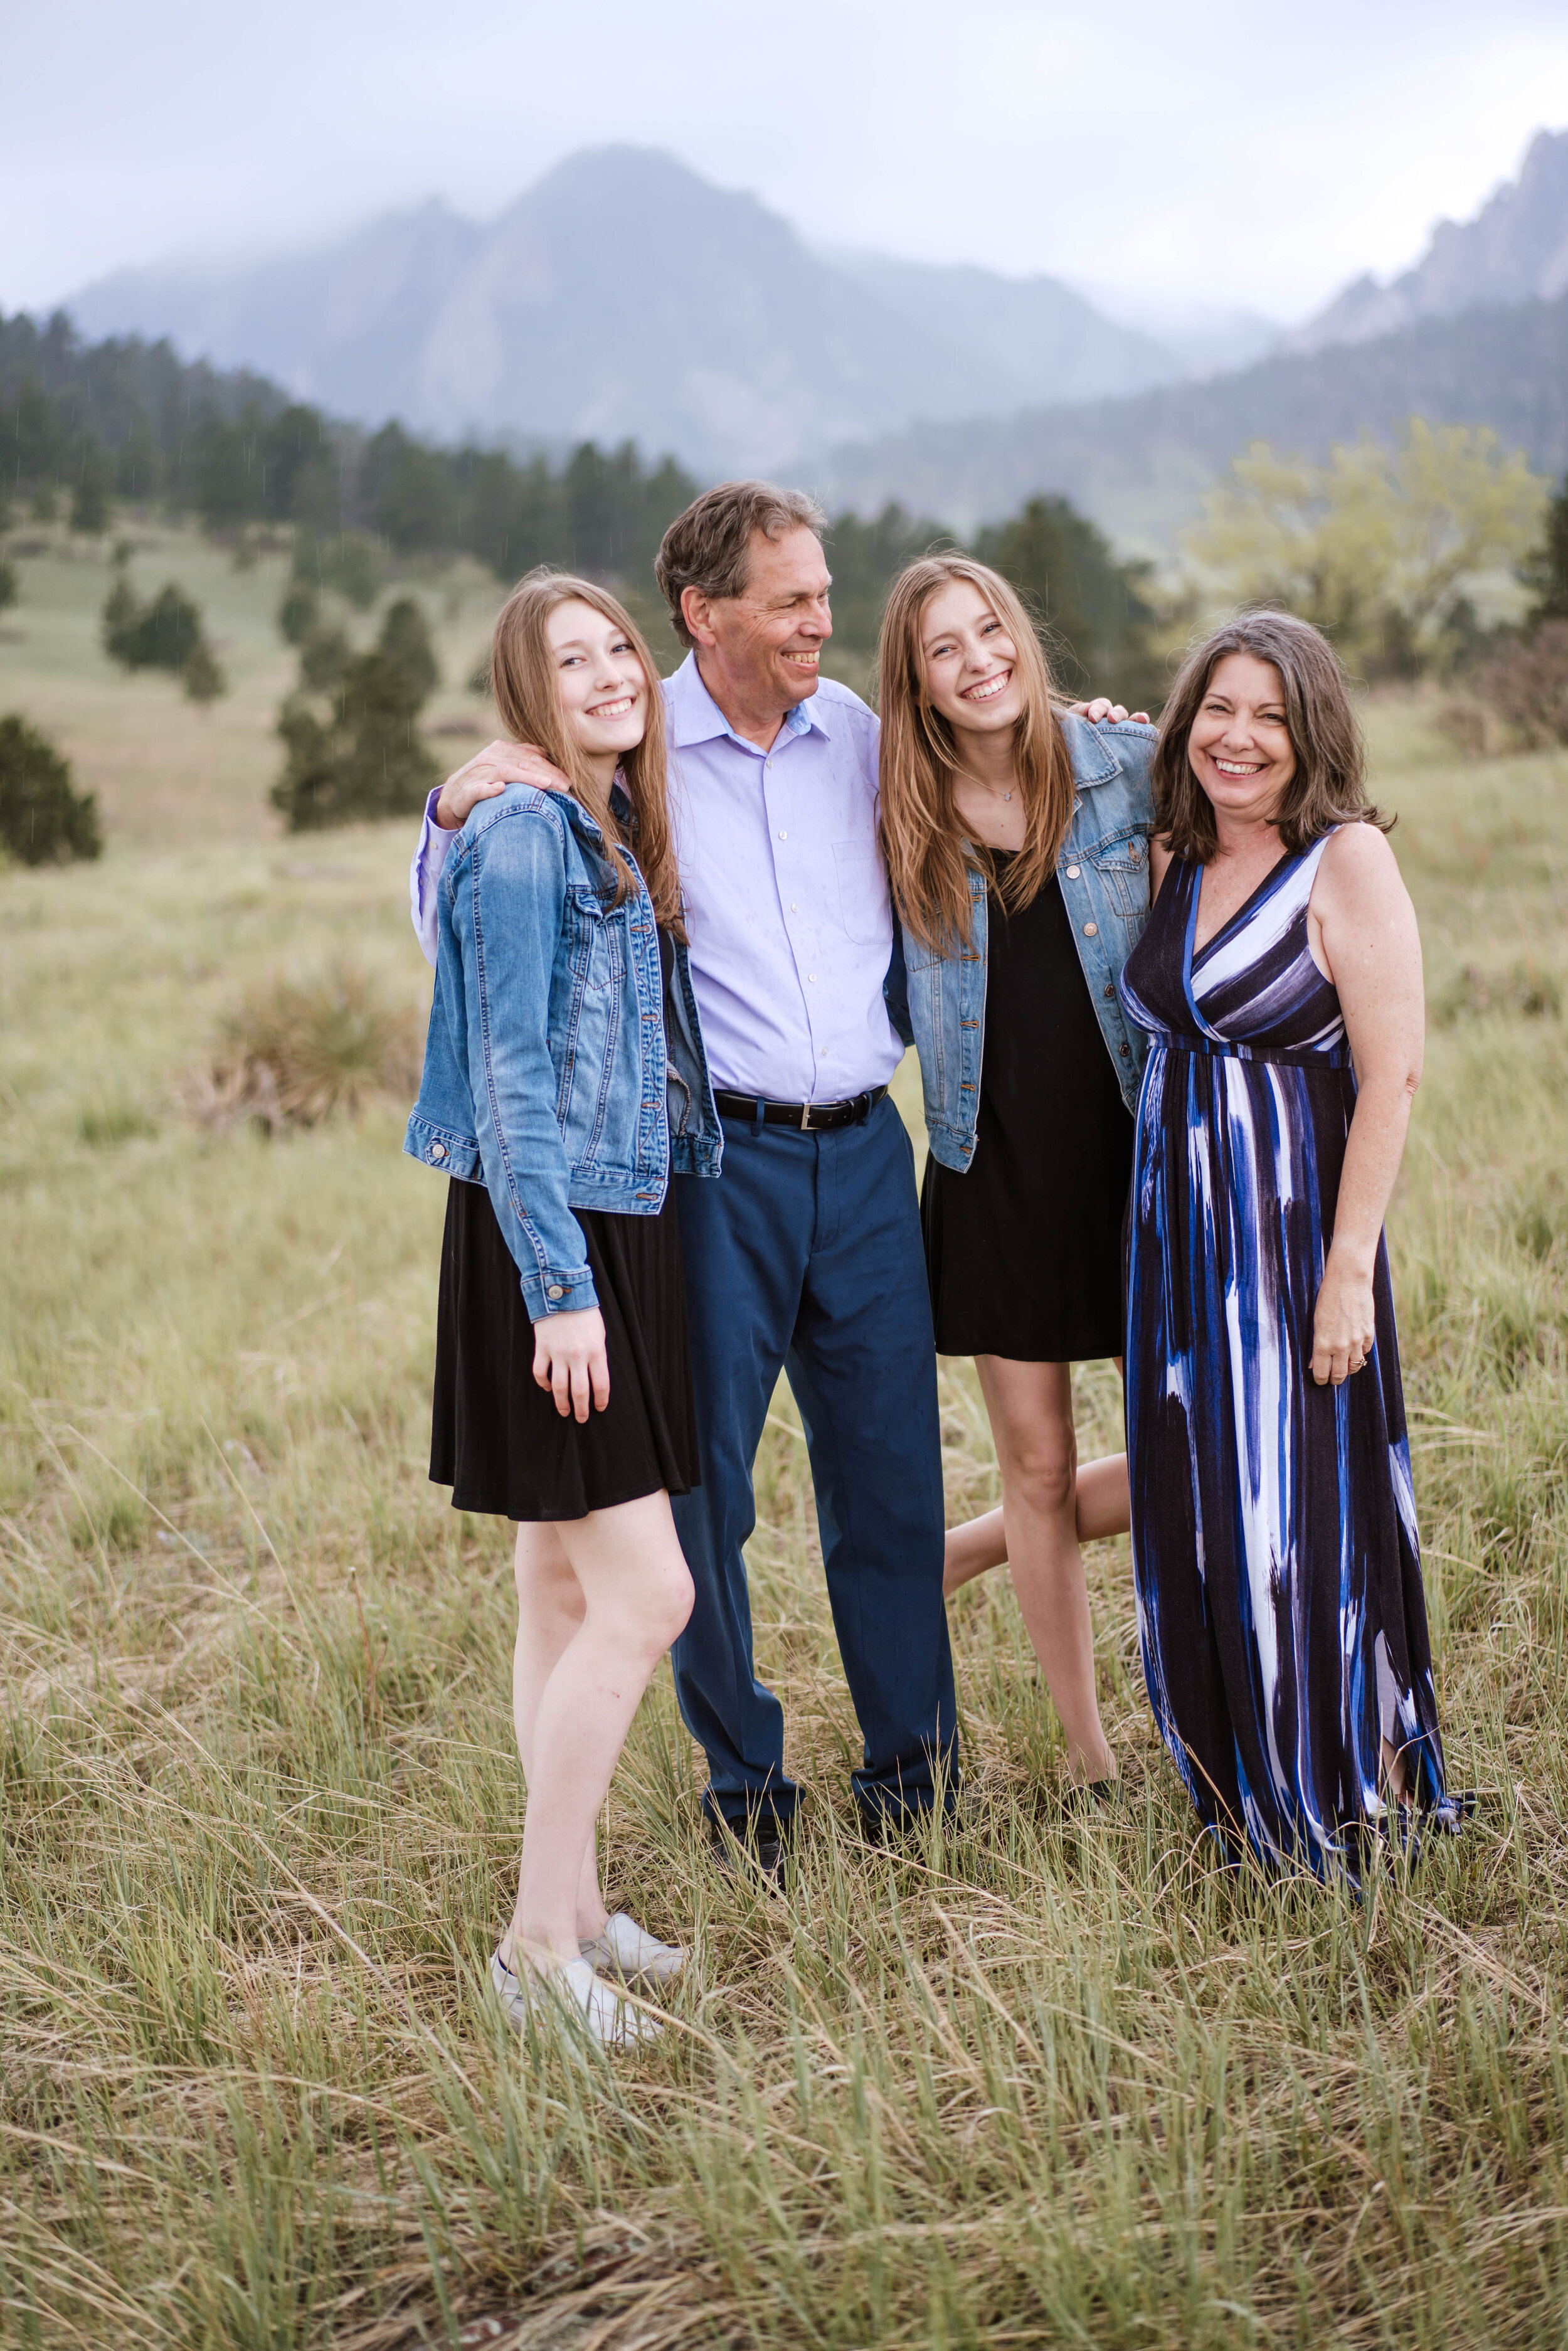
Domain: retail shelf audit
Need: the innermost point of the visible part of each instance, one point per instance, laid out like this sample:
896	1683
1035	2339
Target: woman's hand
1345	1323
1102	708
570	1360
490	771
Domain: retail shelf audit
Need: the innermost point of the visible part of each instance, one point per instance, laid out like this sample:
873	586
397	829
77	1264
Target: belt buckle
805	1118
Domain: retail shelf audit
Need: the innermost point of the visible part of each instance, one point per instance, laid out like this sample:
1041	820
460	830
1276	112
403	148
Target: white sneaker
625	1951
573	1985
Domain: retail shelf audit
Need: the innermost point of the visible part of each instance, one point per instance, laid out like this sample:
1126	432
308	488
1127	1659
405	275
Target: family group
1164	986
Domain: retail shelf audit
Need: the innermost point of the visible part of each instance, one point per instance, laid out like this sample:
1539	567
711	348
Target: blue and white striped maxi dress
1281	1608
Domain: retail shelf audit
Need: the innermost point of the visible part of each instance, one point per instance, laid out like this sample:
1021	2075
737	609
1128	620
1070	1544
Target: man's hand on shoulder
489	772
1102	708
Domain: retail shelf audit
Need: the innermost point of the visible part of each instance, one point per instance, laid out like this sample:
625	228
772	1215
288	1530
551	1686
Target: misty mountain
624	296
1516	247
1139	466
1020	332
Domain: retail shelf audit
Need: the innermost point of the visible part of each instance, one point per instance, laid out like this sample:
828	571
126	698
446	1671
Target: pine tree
165	634
42	819
1547	570
89	493
361	755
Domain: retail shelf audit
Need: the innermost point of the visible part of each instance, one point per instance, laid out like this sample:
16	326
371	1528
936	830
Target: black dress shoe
756	1848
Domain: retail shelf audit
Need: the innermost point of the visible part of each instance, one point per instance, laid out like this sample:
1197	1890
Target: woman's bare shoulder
1358	861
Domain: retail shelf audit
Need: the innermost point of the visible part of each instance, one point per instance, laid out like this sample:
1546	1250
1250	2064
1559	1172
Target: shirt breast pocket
863	906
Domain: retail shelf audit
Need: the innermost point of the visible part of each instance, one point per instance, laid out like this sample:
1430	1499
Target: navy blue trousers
805	1255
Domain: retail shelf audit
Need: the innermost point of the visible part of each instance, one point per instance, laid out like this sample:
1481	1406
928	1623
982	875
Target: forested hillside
1139	466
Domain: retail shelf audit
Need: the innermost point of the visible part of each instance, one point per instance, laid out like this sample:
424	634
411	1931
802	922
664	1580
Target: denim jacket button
1073	872
1091	930
555	1291
438	1151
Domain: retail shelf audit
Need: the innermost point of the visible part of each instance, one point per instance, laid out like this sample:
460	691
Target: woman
1017	839
1277	1569
563	1074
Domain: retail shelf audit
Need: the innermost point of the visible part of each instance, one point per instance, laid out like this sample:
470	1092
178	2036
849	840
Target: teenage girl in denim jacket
1017	839
563	1076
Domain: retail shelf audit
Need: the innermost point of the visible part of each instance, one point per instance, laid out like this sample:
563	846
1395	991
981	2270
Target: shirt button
824	1052
556	1290
813	977
783	836
1091	930
794	909
1072	873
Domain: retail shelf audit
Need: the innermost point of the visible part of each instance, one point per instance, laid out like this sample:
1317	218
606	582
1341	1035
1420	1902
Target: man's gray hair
709	546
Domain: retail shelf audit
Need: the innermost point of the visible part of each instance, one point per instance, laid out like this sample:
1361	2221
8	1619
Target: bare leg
1030	1409
1104	1507
549	1610
633	1596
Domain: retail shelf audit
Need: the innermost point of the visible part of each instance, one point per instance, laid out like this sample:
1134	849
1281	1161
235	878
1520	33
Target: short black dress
496	1438
1023	1249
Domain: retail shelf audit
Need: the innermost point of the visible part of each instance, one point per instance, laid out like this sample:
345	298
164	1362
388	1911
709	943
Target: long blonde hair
928	858
524	681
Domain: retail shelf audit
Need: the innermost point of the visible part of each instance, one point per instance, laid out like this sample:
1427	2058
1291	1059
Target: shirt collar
695	717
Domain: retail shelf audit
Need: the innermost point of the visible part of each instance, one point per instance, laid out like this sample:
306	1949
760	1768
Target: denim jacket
555	1072
1103	869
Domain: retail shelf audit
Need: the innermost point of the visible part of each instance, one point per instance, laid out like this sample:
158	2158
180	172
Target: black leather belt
811	1118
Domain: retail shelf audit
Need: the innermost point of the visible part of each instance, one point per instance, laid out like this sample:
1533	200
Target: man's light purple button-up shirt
787	901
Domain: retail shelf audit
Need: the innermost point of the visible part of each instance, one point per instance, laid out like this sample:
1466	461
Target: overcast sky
1214	151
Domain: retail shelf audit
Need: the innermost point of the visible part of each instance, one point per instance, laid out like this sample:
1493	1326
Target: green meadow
1050	2080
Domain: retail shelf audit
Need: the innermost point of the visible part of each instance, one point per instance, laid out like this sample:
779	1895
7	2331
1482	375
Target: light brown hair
928	858
709	546
525	683
1328	785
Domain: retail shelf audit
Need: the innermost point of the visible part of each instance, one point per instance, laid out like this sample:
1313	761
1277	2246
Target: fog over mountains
624	296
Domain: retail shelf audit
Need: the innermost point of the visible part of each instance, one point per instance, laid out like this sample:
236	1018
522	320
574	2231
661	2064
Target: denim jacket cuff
558	1293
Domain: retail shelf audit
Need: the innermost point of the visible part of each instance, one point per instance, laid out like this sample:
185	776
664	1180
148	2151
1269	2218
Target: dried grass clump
292	1053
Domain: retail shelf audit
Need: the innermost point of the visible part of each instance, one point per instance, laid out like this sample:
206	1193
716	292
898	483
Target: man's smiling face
769	638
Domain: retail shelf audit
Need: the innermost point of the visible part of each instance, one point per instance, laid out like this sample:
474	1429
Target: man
806	1256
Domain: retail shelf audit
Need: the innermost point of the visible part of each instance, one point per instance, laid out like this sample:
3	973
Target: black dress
496	1438
1023	1247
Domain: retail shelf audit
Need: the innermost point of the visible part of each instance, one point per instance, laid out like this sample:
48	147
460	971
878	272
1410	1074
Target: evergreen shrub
43	820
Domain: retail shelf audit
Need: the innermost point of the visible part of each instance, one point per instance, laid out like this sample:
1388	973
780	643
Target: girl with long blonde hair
1017	840
564	1078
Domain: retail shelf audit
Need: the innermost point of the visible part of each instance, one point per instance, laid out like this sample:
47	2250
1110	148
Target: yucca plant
293	1051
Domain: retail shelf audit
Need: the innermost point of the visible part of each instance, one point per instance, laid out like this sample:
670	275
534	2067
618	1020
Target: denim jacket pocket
1121	860
594	938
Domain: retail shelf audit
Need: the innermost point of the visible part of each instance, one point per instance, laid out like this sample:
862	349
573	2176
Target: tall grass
1049	2080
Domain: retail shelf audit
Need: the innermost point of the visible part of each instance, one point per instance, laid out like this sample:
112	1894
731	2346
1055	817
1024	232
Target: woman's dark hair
1328	785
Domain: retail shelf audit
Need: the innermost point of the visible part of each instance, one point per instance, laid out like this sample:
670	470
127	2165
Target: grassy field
1048	2082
